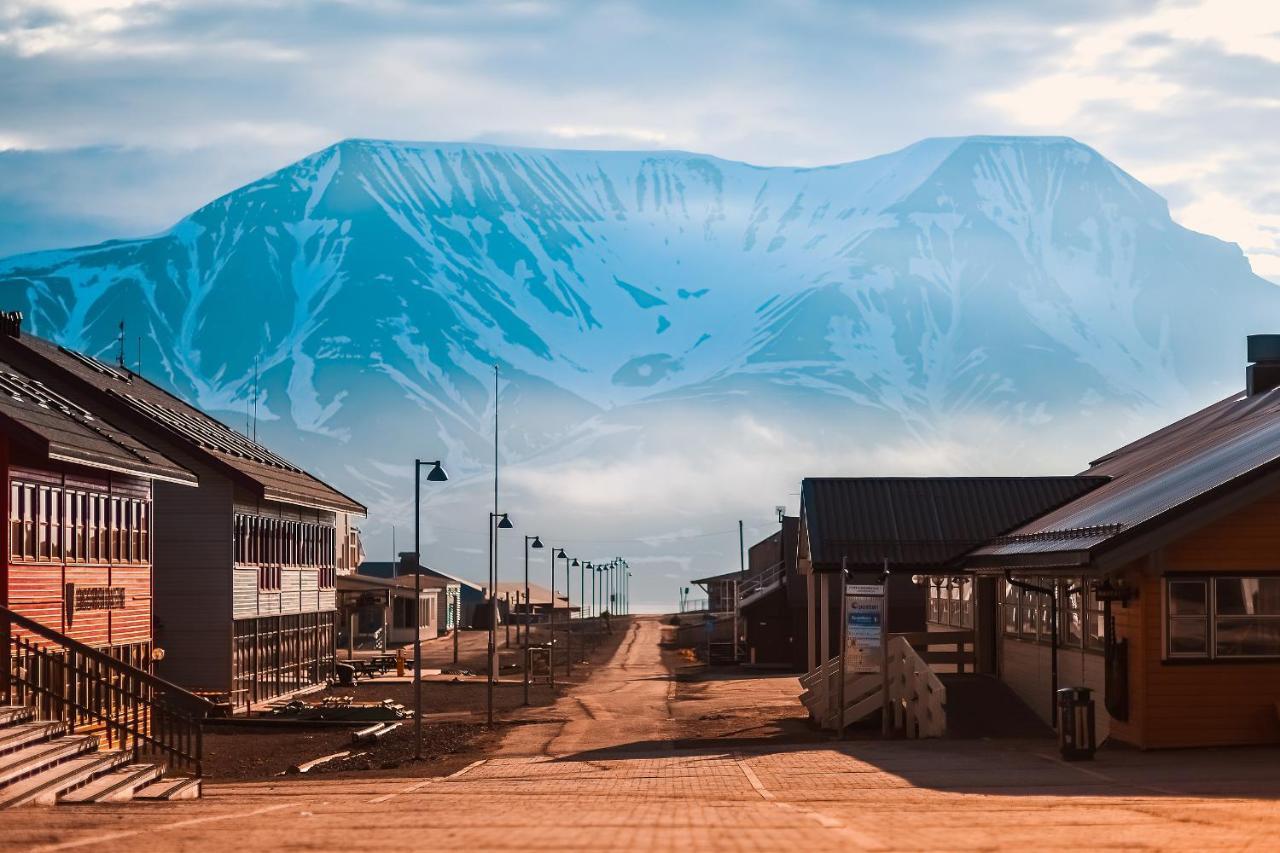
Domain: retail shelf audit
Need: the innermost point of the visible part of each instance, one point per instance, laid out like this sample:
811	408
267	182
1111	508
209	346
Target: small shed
379	613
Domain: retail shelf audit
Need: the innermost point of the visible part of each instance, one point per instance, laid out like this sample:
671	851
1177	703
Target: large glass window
1223	617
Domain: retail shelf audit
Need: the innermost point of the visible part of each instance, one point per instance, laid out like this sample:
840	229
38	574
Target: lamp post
556	554
503	523
568	616
529	542
435	475
600	592
593	590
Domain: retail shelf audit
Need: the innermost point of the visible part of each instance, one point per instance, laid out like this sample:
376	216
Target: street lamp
556	554
503	523
435	475
529	542
568	617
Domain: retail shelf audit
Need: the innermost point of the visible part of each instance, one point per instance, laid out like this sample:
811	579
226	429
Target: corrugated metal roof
64	429
191	428
1152	478
926	522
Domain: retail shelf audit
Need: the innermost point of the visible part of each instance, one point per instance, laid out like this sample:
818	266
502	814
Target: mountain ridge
1027	282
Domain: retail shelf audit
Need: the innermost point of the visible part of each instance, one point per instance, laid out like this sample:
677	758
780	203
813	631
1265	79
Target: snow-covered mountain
922	308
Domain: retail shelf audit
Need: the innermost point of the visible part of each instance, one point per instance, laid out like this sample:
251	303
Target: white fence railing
917	699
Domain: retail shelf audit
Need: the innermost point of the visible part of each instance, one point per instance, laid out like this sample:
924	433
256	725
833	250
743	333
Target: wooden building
772	602
460	598
1160	588
245	564
907	526
79	499
379	613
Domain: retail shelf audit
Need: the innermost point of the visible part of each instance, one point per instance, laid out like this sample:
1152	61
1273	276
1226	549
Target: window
144	531
42	523
269	578
1223	617
326	578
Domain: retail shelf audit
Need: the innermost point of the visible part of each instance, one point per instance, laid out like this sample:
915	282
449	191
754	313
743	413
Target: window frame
1210	618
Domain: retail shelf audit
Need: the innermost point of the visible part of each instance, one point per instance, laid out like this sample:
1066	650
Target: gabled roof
47	420
133	399
1152	483
921	522
404	583
386	569
537	594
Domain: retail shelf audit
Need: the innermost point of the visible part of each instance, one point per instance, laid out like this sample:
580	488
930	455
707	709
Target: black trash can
1077	739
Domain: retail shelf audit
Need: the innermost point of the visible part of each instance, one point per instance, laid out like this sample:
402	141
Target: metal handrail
765	577
69	681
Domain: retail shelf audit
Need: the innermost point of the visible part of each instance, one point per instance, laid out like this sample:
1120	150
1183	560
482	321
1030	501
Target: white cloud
1124	85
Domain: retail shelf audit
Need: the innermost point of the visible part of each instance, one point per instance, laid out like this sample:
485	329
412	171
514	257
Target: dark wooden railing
65	680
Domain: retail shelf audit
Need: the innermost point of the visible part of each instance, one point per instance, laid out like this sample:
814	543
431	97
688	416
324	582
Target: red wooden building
78	496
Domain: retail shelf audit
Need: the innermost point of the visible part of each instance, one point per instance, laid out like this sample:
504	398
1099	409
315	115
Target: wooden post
884	650
811	627
844	638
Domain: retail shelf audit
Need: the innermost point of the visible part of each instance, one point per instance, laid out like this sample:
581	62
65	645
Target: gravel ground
245	751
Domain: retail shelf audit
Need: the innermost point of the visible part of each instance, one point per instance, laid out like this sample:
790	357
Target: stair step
44	787
118	786
23	762
183	788
21	735
11	715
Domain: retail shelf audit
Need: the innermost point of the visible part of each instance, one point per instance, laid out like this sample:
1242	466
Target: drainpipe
1052	592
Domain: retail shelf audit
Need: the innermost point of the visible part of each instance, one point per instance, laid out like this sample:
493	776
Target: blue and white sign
864	612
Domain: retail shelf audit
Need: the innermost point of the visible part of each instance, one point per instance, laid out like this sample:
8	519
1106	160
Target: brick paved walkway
595	774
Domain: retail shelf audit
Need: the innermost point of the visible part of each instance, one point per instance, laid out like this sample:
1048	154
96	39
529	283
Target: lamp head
536	543
505	524
559	555
436	474
574	563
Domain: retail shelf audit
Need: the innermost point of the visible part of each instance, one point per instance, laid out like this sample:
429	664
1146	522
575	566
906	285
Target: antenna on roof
121	356
139	370
255	399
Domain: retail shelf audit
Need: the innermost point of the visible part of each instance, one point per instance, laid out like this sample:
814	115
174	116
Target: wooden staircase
41	763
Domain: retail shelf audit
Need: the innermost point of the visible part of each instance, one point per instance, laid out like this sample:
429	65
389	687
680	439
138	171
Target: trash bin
1076	733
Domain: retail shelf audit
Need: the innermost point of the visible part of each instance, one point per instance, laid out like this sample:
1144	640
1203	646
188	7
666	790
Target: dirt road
599	770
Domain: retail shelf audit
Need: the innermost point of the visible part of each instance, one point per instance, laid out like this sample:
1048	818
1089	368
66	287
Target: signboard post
862	648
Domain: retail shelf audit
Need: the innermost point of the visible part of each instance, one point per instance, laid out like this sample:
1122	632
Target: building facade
245	564
79	499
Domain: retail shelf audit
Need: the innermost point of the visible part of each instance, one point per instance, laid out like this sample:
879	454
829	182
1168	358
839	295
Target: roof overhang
280	496
59	453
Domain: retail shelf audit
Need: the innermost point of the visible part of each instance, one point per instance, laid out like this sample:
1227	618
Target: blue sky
118	117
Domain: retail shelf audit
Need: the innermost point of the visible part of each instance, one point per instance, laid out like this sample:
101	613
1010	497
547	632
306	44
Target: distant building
245	564
458	603
772	603
379	613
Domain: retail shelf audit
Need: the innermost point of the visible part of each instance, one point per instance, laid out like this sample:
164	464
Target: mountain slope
636	299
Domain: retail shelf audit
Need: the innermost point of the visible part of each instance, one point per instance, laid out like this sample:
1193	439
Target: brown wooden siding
1192	703
36	588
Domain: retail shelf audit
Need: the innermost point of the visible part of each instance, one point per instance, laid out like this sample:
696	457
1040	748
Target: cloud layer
164	104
